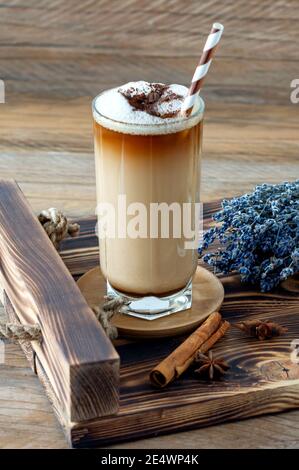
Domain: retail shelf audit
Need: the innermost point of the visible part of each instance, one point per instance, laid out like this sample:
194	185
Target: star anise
261	329
210	366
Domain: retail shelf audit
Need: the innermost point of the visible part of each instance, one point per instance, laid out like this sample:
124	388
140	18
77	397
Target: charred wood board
80	363
262	377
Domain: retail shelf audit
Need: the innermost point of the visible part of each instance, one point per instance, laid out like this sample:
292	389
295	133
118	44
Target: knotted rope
57	226
16	332
105	312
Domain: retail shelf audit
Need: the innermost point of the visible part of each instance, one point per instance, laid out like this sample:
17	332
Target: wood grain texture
257	382
261	379
75	354
36	366
86	42
55	56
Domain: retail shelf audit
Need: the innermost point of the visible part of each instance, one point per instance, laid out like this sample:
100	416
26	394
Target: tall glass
146	173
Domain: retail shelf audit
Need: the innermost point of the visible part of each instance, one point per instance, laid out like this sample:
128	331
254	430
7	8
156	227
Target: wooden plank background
55	56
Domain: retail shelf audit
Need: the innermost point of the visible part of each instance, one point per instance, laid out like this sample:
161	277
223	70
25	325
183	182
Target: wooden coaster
208	294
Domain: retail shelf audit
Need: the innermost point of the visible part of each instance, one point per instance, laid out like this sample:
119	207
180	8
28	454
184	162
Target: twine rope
105	312
16	332
57	226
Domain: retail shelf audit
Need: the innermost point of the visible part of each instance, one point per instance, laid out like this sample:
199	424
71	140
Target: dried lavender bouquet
259	233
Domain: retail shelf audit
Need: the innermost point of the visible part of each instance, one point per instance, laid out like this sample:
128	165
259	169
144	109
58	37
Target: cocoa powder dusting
151	101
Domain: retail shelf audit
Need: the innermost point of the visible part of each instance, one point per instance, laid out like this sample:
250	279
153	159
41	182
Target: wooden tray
262	379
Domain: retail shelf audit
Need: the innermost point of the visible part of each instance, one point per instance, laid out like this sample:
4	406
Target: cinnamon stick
223	328
181	358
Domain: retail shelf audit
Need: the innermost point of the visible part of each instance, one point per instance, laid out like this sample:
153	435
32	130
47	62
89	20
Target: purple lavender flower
259	233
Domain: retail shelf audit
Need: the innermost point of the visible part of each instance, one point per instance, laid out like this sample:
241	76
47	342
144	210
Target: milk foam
113	111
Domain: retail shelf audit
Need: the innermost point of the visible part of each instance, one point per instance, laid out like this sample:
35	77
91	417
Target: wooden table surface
55	56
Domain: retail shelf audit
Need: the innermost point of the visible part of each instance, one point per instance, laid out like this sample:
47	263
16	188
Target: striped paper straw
202	68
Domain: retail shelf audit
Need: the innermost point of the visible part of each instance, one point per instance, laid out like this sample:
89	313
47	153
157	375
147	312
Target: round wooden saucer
208	294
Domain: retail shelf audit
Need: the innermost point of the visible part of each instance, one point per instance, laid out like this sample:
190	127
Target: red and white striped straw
202	68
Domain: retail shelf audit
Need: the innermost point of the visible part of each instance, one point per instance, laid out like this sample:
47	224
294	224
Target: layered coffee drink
148	179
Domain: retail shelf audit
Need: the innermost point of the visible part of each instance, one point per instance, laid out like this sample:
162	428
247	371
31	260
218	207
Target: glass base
151	307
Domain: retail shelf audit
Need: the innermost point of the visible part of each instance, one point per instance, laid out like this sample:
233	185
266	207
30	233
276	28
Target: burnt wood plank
36	365
78	359
156	421
261	379
256	383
